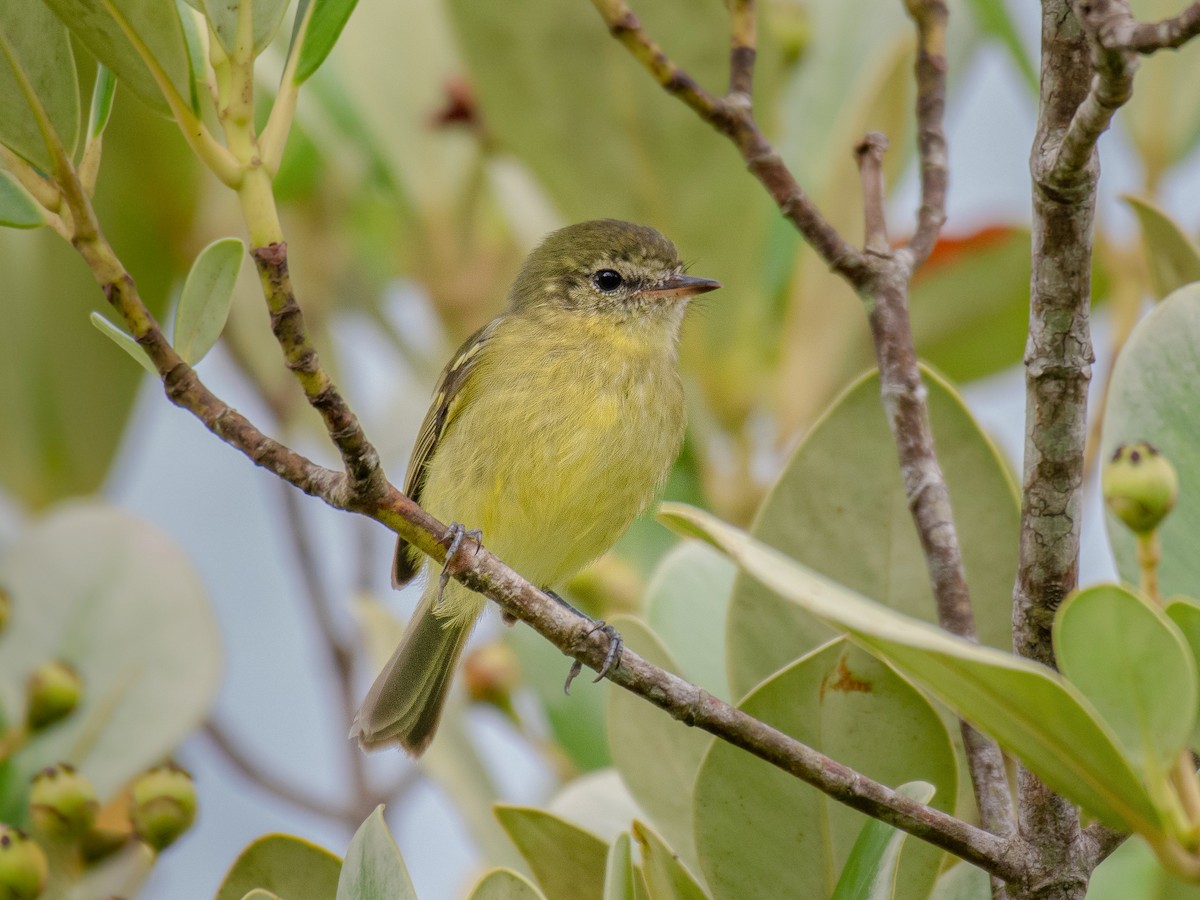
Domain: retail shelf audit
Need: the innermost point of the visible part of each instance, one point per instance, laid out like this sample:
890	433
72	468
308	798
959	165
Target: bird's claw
458	534
612	658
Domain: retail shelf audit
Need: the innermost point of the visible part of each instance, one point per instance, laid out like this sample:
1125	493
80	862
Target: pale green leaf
666	876
598	802
224	16
207	296
1029	709
502	884
35	48
567	862
261	894
155	27
115	598
288	866
840	507
1121	653
761	832
619	872
17	208
1154	396
319	23
119	875
373	868
1132	872
124	340
1185	613
963	882
1173	256
873	864
103	91
657	759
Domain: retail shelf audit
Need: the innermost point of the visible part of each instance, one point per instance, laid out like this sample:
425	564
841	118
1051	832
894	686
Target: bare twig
743	49
1169	34
870	167
930	19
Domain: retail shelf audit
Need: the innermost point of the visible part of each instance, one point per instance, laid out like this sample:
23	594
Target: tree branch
869	154
930	18
1169	34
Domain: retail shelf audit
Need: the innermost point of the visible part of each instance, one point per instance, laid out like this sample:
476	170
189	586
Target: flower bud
52	692
164	805
1140	486
491	673
23	865
62	803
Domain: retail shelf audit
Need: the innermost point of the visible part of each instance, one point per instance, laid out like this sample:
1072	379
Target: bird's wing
447	399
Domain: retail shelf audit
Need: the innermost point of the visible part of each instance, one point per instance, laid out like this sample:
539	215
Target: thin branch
869	154
930	18
743	41
1169	34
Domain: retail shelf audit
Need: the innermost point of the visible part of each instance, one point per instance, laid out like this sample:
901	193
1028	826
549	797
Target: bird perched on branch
551	428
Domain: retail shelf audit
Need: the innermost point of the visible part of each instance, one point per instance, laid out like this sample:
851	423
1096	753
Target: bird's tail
405	703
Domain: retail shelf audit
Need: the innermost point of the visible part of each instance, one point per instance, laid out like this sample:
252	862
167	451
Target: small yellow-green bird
551	428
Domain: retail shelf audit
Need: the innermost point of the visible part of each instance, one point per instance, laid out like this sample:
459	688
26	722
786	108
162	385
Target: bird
550	429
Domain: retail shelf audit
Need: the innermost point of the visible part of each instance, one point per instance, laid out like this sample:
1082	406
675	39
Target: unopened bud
1140	486
52	693
23	866
164	805
62	803
491	673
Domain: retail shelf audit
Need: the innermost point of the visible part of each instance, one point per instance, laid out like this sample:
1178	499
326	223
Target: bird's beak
680	286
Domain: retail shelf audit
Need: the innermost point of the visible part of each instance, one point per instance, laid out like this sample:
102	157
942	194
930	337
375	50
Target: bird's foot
458	534
612	658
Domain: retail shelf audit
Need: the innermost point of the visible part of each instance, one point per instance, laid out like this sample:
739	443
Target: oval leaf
123	340
761	832
17	208
1185	613
502	884
373	866
567	861
1122	654
111	595
207	296
1028	708
839	506
284	865
871	869
1174	257
1154	395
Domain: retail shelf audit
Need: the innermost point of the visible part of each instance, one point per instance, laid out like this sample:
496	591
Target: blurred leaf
657	759
260	894
963	881
114	597
120	875
34	47
1154	395
192	22
598	802
1185	613
223	18
1133	873
124	340
17	208
1173	256
207	296
687	603
104	89
157	27
872	866
995	21
1029	709
760	831
567	861
970	303
318	33
666	876
1121	652
504	884
373	867
840	507
619	873
293	868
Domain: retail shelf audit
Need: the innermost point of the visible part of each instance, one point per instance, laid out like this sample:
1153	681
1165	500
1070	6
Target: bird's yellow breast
558	443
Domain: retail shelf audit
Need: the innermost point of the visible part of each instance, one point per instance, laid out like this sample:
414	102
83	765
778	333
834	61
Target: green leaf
687	603
1029	709
260	894
155	26
761	832
1173	257
17	208
1154	395
963	881
871	868
840	507
657	759
119	875
1132	872
124	340
598	802
319	23
103	91
619	872
503	884
666	876
207	296
1185	613
1134	666
373	867
284	865
970	303
223	16
35	49
567	861
111	595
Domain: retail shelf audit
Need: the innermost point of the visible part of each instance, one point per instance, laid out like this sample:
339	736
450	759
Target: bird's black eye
608	280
